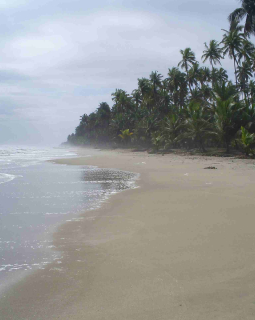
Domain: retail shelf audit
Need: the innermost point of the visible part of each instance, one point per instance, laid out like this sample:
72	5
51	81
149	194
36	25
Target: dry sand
182	246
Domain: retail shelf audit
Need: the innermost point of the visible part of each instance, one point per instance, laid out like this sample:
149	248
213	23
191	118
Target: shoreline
178	247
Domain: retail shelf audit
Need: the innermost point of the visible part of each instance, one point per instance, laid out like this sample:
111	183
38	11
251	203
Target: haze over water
36	196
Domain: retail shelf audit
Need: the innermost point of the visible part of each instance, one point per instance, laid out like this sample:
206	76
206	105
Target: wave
5	177
16	156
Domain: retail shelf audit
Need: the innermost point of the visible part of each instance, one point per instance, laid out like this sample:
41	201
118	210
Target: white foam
5	177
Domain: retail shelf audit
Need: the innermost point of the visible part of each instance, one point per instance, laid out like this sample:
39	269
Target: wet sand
179	247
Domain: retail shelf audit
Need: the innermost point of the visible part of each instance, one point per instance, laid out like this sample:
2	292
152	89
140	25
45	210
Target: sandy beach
181	246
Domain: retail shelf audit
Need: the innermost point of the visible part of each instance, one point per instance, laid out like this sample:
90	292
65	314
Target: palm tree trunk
235	68
212	75
202	145
227	145
186	67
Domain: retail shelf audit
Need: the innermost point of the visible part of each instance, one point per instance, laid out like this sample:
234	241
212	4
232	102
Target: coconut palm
206	92
247	51
248	117
164	102
188	60
224	91
204	76
174	78
155	79
144	86
213	53
232	45
247	141
171	128
136	98
227	113
177	85
194	74
251	91
252	61
247	11
197	126
122	101
244	73
103	120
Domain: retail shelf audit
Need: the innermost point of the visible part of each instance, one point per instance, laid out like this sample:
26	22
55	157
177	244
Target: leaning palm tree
246	11
212	53
188	60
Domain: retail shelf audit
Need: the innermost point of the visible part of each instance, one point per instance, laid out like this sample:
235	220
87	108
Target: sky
60	58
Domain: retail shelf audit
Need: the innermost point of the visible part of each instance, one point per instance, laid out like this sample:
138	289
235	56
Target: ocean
37	196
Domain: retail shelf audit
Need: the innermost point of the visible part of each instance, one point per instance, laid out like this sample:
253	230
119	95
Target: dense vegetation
194	107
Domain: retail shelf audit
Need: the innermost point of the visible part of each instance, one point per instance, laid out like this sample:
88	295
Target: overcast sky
60	58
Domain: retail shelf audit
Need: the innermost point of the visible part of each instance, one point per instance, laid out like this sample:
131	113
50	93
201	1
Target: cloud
59	59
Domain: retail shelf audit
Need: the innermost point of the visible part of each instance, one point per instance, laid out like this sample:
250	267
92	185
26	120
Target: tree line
193	107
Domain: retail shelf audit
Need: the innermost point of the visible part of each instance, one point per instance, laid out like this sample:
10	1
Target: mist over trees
193	107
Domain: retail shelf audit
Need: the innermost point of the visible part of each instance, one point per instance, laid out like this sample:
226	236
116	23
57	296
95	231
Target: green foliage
125	135
157	140
196	126
246	11
247	141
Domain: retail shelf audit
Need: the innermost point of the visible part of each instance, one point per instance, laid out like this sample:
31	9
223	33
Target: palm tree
212	53
155	79
137	98
144	86
204	75
164	102
197	126
125	135
232	45
219	76
177	85
224	91
171	129
123	101
247	141
248	117
244	72
103	119
252	92
188	59
206	92
247	11
174	76
227	112
247	51
194	74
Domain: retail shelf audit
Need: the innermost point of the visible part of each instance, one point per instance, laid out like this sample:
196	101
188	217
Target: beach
180	246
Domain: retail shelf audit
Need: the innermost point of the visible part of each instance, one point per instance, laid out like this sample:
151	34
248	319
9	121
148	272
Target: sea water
36	196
